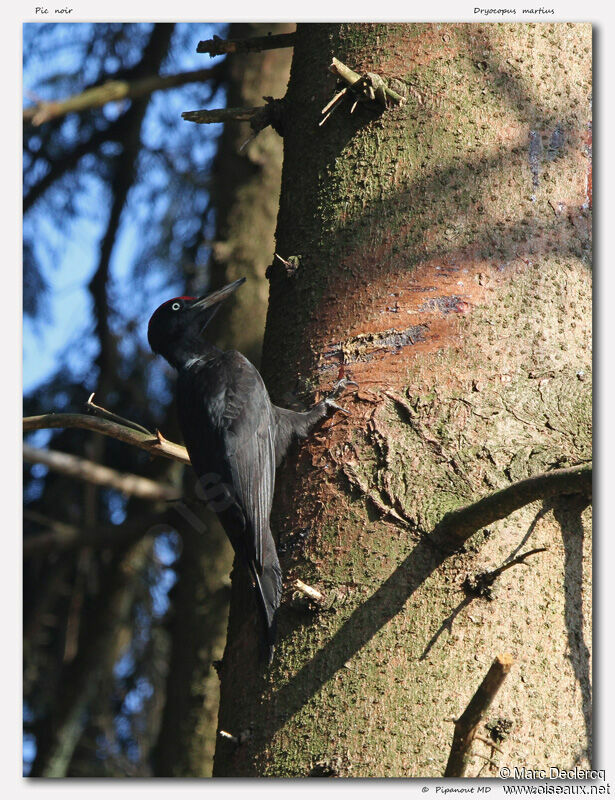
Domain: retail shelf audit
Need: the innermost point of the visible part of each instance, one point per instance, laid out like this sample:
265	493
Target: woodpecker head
183	319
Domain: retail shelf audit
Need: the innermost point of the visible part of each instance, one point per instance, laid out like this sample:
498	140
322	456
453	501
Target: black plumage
234	434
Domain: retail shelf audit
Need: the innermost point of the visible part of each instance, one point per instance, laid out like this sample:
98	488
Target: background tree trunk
245	192
444	264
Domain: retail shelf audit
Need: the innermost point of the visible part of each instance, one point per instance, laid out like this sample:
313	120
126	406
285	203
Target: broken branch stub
207	116
259	117
254	44
369	88
468	722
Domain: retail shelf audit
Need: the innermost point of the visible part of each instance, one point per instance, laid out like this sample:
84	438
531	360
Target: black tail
269	592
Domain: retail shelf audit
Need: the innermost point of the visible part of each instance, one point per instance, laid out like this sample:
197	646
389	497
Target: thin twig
102	412
250	138
308	591
351	77
466	725
255	44
154	443
259	117
336	97
332	105
326	117
519	560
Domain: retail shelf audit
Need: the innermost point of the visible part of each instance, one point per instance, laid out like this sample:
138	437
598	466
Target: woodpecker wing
250	449
249	444
228	426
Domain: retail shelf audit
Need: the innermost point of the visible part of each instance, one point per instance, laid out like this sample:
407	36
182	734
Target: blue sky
62	332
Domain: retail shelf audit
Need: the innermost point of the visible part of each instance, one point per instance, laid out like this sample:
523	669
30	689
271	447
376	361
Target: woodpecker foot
339	387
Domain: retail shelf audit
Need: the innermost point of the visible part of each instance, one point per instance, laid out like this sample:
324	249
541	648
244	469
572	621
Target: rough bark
443	262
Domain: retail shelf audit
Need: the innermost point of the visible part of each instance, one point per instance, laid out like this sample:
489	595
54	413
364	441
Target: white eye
176	306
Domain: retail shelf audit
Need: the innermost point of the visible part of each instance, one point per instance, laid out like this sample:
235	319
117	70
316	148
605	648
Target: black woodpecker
234	435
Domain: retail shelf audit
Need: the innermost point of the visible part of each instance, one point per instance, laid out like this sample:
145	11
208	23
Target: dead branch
112	91
84	470
154	443
460	524
255	44
466	725
208	116
259	117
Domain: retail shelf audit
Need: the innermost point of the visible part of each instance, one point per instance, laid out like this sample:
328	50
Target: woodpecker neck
187	351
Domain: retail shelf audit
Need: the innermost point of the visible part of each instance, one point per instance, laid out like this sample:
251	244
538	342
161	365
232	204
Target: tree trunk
246	191
444	264
245	195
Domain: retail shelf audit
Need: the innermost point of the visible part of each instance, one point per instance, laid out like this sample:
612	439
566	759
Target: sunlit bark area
440	256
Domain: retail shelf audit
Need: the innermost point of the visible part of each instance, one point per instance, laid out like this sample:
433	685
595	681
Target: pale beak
218	296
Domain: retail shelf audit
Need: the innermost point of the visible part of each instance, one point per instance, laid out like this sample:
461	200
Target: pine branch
84	470
207	116
112	91
259	117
